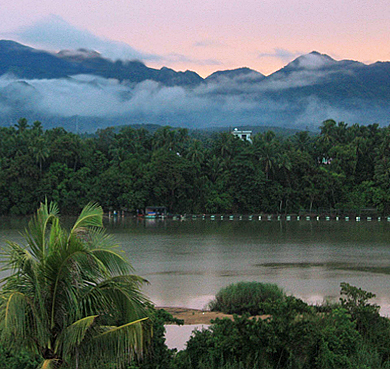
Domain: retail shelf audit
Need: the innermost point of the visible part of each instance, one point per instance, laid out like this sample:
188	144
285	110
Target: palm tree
267	147
22	125
196	152
40	150
71	297
215	168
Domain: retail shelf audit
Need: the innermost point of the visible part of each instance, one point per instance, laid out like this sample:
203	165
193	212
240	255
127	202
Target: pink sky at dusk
204	36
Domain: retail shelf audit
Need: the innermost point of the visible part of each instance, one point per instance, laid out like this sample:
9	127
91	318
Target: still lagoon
187	262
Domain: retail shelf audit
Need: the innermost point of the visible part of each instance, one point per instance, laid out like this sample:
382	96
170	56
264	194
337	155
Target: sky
204	36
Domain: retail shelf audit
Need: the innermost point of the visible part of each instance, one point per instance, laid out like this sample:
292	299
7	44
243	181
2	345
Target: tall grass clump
247	297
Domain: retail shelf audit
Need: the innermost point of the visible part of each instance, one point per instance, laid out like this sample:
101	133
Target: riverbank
196	316
193	319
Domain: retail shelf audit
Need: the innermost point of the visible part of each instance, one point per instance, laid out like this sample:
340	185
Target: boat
154	212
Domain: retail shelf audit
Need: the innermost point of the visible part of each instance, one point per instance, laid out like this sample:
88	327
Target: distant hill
335	80
82	90
26	62
243	74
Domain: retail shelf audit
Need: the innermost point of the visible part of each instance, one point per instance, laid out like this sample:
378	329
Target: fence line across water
262	217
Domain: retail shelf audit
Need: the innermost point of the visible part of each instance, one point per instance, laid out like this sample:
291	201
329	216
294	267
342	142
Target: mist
99	102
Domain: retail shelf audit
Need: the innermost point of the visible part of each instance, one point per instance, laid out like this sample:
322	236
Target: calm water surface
187	262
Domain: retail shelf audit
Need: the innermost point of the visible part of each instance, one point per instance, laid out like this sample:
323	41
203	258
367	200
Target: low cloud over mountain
53	32
82	85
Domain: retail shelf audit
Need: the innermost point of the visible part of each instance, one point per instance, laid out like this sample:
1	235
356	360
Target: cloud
314	60
295	79
53	32
225	103
208	43
180	58
282	54
250	84
317	111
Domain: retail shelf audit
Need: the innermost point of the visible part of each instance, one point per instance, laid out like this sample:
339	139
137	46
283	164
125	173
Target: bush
247	297
347	335
17	360
285	341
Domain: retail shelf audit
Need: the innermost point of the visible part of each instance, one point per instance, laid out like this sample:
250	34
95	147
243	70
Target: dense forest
344	167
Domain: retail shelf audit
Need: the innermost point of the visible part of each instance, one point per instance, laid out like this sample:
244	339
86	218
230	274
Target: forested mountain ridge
244	74
84	89
339	79
343	167
29	63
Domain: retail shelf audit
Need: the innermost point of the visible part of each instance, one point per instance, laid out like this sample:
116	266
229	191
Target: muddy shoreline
197	316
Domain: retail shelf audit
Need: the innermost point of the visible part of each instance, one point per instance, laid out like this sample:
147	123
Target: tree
267	147
40	151
22	125
71	298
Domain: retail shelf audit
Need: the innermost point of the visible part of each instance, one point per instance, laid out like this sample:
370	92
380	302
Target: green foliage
71	298
282	342
247	297
344	166
19	359
355	300
337	340
296	336
374	328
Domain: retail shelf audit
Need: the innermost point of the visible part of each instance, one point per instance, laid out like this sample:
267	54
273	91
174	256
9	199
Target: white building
243	135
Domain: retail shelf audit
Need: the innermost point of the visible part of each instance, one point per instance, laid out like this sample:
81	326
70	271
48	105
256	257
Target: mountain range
85	87
26	62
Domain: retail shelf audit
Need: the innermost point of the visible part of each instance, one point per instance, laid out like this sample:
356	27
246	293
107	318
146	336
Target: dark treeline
343	167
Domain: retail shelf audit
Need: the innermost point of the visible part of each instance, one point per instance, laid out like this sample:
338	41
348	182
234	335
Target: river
187	262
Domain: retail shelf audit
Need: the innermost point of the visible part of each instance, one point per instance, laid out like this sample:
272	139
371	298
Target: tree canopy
342	167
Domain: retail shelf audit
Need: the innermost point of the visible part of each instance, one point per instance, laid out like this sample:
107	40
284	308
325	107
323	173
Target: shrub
247	297
20	359
296	336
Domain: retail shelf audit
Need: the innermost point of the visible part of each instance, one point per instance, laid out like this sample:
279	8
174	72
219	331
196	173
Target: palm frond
16	257
56	236
123	329
50	364
72	336
100	239
21	321
114	263
37	230
14	311
121	343
105	248
124	292
68	269
23	302
91	216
